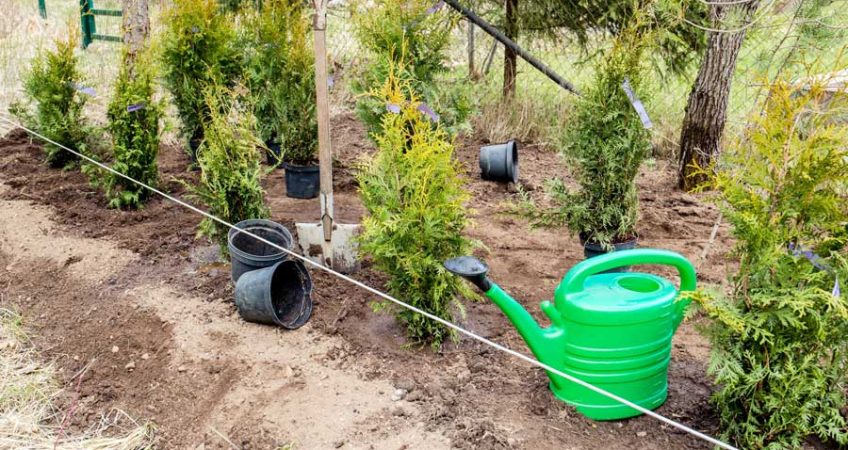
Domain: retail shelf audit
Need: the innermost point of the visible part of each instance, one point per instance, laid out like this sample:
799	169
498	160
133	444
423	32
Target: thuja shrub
230	167
197	51
410	32
780	338
604	144
279	72
414	196
134	125
55	100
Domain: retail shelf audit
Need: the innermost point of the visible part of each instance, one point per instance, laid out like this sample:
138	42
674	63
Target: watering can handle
574	279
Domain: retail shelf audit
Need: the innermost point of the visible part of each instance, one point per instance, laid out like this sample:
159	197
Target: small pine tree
413	192
53	84
230	166
780	338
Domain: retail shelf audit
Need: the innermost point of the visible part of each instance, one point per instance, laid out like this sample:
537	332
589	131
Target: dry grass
28	418
523	119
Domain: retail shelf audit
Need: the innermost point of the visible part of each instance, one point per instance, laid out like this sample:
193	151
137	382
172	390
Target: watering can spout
542	342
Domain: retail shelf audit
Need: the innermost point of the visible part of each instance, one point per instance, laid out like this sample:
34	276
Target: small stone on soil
642	433
115	349
145	356
130	366
181	369
338	444
398	395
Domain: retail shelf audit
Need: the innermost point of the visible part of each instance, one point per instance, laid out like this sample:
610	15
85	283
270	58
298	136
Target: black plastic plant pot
277	295
193	146
592	249
499	162
275	154
302	181
248	253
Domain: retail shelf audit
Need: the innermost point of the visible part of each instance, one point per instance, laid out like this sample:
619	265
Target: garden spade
327	242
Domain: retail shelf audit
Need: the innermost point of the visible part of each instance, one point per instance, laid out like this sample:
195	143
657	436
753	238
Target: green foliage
280	73
197	51
604	144
53	83
400	35
780	338
678	43
230	166
134	125
414	195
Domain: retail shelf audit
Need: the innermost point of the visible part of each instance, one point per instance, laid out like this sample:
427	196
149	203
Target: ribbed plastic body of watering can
611	330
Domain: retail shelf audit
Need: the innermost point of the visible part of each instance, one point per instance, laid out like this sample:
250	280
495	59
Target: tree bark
510	58
136	27
706	110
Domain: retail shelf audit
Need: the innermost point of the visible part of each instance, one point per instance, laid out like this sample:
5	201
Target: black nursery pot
276	152
302	181
499	162
193	146
592	249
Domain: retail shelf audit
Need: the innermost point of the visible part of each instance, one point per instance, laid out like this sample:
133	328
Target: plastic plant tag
330	81
392	108
195	29
83	89
136	107
436	7
637	104
836	291
813	258
428	112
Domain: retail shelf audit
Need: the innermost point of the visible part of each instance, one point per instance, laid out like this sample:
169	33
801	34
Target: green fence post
89	27
42	9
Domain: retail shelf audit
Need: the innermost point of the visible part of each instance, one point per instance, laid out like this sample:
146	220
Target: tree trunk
510	58
706	111
136	27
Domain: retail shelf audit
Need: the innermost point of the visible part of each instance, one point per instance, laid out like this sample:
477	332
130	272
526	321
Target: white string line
388	297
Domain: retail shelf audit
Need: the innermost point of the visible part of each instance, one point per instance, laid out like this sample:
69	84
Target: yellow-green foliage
403	33
230	167
780	339
53	85
414	195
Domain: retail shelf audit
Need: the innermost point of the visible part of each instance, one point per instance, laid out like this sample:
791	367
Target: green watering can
611	330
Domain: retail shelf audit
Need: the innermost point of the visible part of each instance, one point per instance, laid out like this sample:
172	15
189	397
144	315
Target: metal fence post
86	23
42	9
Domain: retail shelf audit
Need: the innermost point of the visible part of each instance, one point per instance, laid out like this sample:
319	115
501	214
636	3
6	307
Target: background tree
677	45
136	26
706	111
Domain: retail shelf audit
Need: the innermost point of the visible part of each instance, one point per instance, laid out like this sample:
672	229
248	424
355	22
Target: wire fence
784	39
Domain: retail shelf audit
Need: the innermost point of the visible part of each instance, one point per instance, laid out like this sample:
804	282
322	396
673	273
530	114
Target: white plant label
637	104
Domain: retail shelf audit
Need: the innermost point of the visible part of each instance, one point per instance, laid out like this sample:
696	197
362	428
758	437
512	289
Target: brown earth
89	279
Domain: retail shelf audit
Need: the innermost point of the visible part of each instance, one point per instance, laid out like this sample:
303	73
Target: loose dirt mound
332	382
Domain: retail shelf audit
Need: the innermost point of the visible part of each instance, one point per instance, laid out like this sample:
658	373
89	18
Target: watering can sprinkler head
472	269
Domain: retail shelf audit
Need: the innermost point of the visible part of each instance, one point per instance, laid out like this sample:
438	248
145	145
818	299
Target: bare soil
145	309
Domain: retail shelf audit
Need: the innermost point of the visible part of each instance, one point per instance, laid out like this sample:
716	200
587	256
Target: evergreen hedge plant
414	196
604	145
280	73
197	51
230	166
780	338
413	35
55	100
134	125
